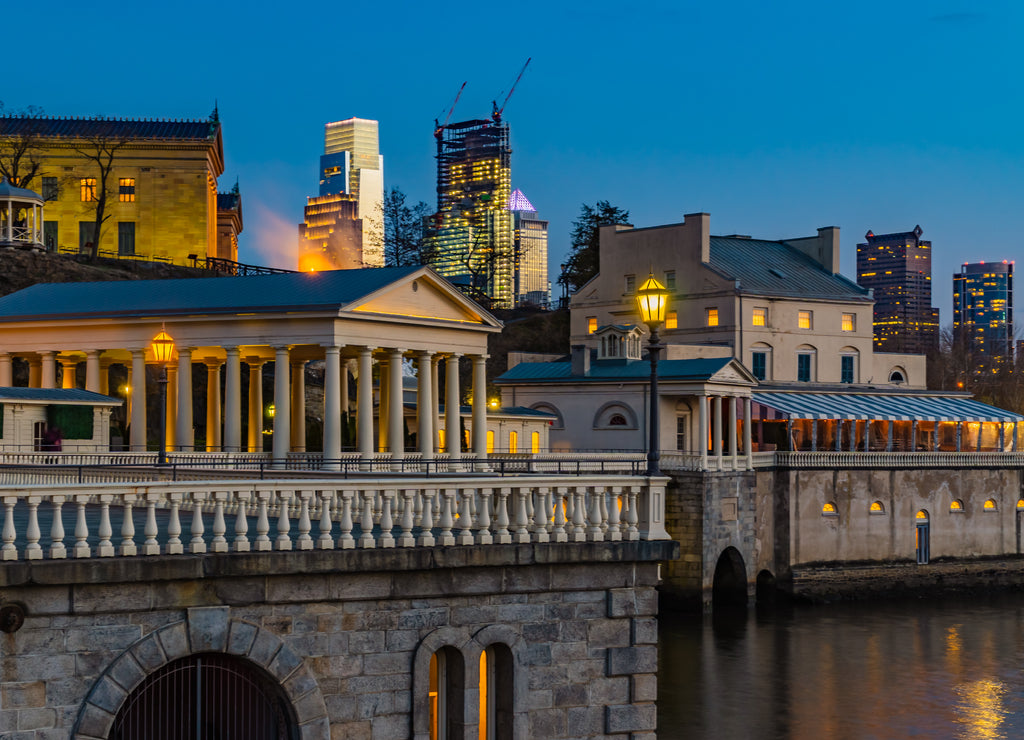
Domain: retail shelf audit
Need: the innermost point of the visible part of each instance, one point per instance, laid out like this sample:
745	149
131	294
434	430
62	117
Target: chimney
702	222
828	237
580	360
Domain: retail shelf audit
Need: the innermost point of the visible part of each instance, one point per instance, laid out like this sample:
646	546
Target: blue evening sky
774	117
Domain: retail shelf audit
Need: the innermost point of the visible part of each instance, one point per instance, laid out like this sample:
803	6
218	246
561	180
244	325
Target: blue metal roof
697	369
775	268
304	291
14	394
882	407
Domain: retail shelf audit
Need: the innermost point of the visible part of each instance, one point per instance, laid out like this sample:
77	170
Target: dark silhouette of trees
403	230
584	256
20	158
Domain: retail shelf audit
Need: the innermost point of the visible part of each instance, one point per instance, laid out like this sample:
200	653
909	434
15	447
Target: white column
716	440
282	403
232	401
396	410
298	412
748	422
92	371
213	438
383	392
733	447
184	440
426	410
105	379
343	374
68	370
35	373
6	376
435	396
452	409
171	412
255	439
702	432
138	422
48	370
332	408
480	408
364	404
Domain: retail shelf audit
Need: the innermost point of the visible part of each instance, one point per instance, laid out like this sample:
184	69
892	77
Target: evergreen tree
584	258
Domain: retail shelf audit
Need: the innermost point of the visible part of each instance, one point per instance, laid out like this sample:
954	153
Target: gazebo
21	217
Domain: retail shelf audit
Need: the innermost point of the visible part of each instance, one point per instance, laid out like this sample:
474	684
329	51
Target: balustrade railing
305	515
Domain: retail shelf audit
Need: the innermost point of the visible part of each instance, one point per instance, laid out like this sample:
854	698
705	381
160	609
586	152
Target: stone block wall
346	634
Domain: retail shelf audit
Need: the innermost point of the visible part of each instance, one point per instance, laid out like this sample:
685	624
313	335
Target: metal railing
383	512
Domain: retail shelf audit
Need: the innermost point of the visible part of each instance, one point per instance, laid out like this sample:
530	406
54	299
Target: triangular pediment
423	295
733	372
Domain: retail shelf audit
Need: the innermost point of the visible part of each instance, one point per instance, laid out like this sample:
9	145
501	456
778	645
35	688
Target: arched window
921	516
496	692
877	507
829	509
1020	504
446	693
615	415
548	408
806	363
761	361
617	420
848	365
490	441
898	376
991	505
535	442
956	506
513	442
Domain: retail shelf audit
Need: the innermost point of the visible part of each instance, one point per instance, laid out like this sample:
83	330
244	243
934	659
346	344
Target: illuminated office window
126	190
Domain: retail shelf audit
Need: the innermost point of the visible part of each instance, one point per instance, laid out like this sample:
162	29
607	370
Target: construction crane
496	114
439	127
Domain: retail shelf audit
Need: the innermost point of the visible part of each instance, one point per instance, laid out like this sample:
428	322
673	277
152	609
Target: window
829	509
445	692
617	420
804	369
490	442
513	442
956	506
126	190
88	189
670	280
805	320
849	322
591	324
496	693
671	320
759	365
535	442
877	507
51	189
86	229
990	505
50	235
440	440
711	317
760	317
681	423
630	283
847	368
126	237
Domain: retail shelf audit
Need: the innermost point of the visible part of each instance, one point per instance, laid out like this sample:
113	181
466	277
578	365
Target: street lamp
163	349
652	302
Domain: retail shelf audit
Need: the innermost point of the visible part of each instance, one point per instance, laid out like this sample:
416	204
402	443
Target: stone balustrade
244	516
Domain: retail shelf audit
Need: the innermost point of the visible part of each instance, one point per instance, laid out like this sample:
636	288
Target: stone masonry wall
343	633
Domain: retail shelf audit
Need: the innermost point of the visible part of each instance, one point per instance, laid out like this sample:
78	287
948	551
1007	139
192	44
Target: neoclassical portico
347	319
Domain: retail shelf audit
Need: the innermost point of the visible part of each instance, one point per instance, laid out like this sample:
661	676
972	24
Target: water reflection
888	671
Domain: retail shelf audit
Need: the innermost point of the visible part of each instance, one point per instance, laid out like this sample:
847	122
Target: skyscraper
470	237
898	268
351	169
530	249
983	310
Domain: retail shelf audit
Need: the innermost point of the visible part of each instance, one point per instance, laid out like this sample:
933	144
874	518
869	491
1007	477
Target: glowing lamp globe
163	347
652	301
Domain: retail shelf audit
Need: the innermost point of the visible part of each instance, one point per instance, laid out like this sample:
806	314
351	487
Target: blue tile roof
775	268
117	128
697	369
253	294
18	393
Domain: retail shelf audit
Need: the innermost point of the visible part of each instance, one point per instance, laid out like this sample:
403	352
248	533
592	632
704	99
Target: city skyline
785	133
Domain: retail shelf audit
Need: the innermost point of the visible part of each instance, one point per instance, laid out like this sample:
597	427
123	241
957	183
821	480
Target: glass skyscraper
983	310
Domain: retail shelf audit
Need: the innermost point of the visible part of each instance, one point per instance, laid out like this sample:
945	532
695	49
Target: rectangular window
671	320
591	324
846	370
490	442
759	362
86	242
535	442
513	442
681	422
126	237
803	368
440	440
805	320
51	190
711	317
88	189
630	283
50	235
670	280
760	317
126	190
849	322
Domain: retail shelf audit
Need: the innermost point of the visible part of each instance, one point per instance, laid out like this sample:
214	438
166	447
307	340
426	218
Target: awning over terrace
825	406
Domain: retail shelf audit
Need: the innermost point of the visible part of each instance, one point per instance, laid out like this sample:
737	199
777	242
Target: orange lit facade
331	237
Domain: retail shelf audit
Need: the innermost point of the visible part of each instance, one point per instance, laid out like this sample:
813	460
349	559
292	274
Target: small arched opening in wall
729	587
766	588
922	536
208	695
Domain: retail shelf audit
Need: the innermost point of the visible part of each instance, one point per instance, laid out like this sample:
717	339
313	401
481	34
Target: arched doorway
208	696
766	589
729	588
923	537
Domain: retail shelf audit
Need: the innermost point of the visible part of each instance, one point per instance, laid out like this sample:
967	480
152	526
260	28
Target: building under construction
470	238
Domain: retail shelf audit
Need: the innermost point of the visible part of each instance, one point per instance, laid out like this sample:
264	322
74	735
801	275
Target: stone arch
501	634
766	587
729	587
456	638
607	417
547	408
204	630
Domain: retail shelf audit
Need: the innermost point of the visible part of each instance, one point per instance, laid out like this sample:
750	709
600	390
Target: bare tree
100	148
20	157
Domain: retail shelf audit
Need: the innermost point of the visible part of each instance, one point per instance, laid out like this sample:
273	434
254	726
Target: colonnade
289	429
715	415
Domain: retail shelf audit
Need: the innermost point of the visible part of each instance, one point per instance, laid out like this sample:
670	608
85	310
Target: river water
888	670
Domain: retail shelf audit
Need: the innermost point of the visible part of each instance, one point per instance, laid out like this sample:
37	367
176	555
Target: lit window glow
711	316
671	320
829	509
591	324
849	322
805	319
956	505
760	317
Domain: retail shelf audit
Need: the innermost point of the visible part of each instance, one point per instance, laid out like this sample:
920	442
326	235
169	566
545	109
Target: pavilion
345	318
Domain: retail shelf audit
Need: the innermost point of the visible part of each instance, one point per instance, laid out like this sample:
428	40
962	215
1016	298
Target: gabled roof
329	290
701	369
774	268
73	396
71	128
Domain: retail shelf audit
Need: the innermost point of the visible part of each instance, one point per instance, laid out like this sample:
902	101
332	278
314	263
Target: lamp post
652	302
163	349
